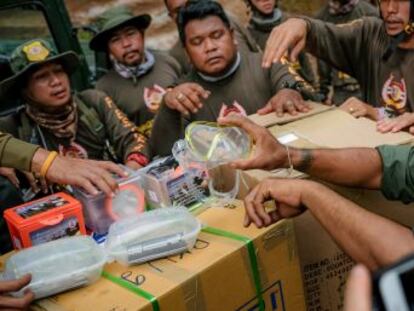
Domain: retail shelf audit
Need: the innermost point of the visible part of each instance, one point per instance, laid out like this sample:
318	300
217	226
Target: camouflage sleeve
339	45
306	70
167	129
284	75
123	134
398	172
16	153
325	77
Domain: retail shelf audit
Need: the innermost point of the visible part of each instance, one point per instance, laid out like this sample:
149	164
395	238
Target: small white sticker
153	196
288	138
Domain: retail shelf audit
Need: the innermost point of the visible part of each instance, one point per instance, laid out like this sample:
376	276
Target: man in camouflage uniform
223	79
341	12
244	40
265	16
86	125
139	77
378	53
87	174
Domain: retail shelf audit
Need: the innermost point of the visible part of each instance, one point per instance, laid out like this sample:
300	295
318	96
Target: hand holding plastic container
57	266
217	145
214	146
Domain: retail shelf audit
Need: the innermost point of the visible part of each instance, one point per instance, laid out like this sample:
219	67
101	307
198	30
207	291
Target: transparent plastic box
57	266
152	235
167	184
101	211
217	145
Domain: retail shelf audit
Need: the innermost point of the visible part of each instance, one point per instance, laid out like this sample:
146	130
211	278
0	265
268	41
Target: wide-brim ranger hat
31	55
113	19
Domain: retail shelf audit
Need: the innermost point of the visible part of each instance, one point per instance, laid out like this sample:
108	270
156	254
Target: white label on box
288	138
153	196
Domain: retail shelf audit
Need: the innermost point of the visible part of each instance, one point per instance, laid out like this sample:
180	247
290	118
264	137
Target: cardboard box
324	265
215	275
271	118
49	218
338	129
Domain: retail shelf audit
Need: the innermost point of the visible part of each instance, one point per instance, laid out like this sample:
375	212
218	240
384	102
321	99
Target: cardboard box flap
338	129
271	118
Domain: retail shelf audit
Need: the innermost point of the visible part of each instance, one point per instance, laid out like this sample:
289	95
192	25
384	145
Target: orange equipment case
49	218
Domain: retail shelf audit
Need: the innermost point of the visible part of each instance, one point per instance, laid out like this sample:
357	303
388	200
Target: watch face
128	202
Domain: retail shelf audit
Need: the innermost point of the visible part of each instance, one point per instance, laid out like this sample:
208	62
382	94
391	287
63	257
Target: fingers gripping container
101	211
57	266
155	234
44	220
217	145
212	147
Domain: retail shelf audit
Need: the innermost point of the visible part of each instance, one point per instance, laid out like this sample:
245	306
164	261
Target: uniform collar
229	72
134	72
266	23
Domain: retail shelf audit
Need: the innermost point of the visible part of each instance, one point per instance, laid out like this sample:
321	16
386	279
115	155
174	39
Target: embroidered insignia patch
153	97
394	94
235	107
36	52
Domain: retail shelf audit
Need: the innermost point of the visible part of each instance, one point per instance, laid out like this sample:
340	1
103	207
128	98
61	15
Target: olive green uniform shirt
250	86
261	34
15	153
398	172
121	134
357	49
244	39
329	76
140	100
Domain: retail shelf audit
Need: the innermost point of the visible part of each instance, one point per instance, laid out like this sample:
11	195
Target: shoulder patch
153	97
394	94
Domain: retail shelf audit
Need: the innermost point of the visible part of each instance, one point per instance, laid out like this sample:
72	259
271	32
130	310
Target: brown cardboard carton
271	118
324	265
215	275
338	129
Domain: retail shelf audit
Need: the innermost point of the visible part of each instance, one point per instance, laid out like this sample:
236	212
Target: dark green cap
113	19
30	55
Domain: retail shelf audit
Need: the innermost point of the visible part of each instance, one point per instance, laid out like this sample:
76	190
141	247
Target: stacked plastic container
78	261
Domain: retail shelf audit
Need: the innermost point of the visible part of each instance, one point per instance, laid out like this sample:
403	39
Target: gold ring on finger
180	96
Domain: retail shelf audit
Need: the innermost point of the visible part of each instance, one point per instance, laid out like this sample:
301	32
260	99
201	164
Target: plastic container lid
57	266
101	211
212	143
152	235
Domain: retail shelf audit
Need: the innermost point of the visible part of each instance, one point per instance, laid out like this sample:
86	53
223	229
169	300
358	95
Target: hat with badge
113	19
31	55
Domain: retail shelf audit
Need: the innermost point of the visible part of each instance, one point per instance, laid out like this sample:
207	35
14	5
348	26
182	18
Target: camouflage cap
113	19
30	55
